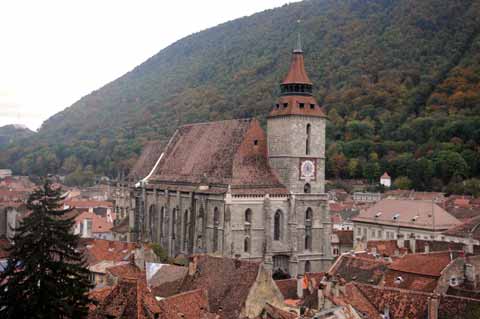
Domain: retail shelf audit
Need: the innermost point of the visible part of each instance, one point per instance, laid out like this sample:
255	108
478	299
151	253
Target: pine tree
45	276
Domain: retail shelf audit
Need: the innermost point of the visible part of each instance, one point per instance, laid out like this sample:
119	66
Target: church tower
296	132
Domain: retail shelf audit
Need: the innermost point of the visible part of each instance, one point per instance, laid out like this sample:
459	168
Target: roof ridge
247	119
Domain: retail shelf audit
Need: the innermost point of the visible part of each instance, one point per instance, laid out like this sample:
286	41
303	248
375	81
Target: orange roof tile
430	264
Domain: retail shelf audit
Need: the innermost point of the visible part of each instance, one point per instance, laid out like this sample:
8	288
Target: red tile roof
290	105
385	247
273	312
146	162
221	153
469	228
288	288
297	74
97	250
126	271
429	264
192	305
99	224
398	279
408	213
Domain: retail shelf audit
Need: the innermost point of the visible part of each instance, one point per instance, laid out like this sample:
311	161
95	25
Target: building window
308	266
216	223
308	215
248	216
174	221
380	234
312	106
277	227
307	189
373	233
246	245
301	105
307	147
335	252
185	230
285	105
308	242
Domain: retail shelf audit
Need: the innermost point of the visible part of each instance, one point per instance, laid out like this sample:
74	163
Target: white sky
54	52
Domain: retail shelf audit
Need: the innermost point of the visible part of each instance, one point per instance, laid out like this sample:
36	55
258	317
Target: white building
390	218
386	180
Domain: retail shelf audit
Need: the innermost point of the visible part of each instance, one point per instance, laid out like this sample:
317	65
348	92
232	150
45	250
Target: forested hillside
12	133
399	79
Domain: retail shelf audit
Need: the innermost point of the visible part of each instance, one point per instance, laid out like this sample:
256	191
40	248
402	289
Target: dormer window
301	105
396	216
378	214
285	105
312	106
414	219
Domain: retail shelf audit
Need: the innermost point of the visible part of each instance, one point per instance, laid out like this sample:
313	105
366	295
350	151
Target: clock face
307	169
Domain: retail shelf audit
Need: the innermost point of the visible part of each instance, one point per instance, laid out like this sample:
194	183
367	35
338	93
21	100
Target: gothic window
277	225
307	189
246	245
248	216
308	266
162	222
216	222
308	216
308	242
174	222
185	229
307	142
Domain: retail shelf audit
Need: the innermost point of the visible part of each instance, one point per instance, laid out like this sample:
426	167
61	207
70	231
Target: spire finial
298	47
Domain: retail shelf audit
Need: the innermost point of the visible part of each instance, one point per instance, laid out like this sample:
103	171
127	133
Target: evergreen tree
45	276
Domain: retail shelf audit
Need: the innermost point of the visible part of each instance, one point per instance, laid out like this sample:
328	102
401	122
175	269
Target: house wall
262	291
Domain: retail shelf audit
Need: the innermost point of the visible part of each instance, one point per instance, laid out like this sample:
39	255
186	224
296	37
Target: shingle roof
192	305
470	228
417	282
232	152
148	158
429	264
288	288
408	213
97	250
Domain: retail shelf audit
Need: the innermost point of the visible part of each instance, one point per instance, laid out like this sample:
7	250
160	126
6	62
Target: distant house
386	180
11	213
5	173
342	242
389	219
362	197
90	225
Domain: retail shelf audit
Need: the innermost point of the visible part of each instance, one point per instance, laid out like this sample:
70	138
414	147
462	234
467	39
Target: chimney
300	286
433	304
413	243
192	266
400	241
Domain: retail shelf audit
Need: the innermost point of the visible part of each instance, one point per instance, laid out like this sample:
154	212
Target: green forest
399	80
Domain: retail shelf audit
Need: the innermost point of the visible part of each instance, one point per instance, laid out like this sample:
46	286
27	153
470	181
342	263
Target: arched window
307	144
308	266
308	216
246	245
248	216
185	229
216	222
307	189
277	226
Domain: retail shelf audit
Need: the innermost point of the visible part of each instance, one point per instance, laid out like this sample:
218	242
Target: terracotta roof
400	303
192	305
470	228
291	105
288	288
385	247
273	312
297	74
126	271
462	202
97	250
228	282
429	264
399	279
222	153
345	237
408	213
128	299
99	224
167	274
352	268
385	176
146	162
457	307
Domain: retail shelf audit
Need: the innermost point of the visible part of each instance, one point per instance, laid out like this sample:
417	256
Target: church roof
297	74
145	163
232	152
292	105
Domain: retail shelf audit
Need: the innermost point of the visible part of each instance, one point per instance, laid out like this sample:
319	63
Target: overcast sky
54	52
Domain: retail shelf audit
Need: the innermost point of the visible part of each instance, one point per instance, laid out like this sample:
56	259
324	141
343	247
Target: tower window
246	245
277	227
307	142
307	266
312	106
248	215
302	105
285	105
307	189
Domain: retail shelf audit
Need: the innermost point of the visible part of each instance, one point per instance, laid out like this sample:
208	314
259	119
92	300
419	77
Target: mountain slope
384	70
12	133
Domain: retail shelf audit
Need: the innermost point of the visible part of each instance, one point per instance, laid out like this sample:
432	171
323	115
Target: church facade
231	189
